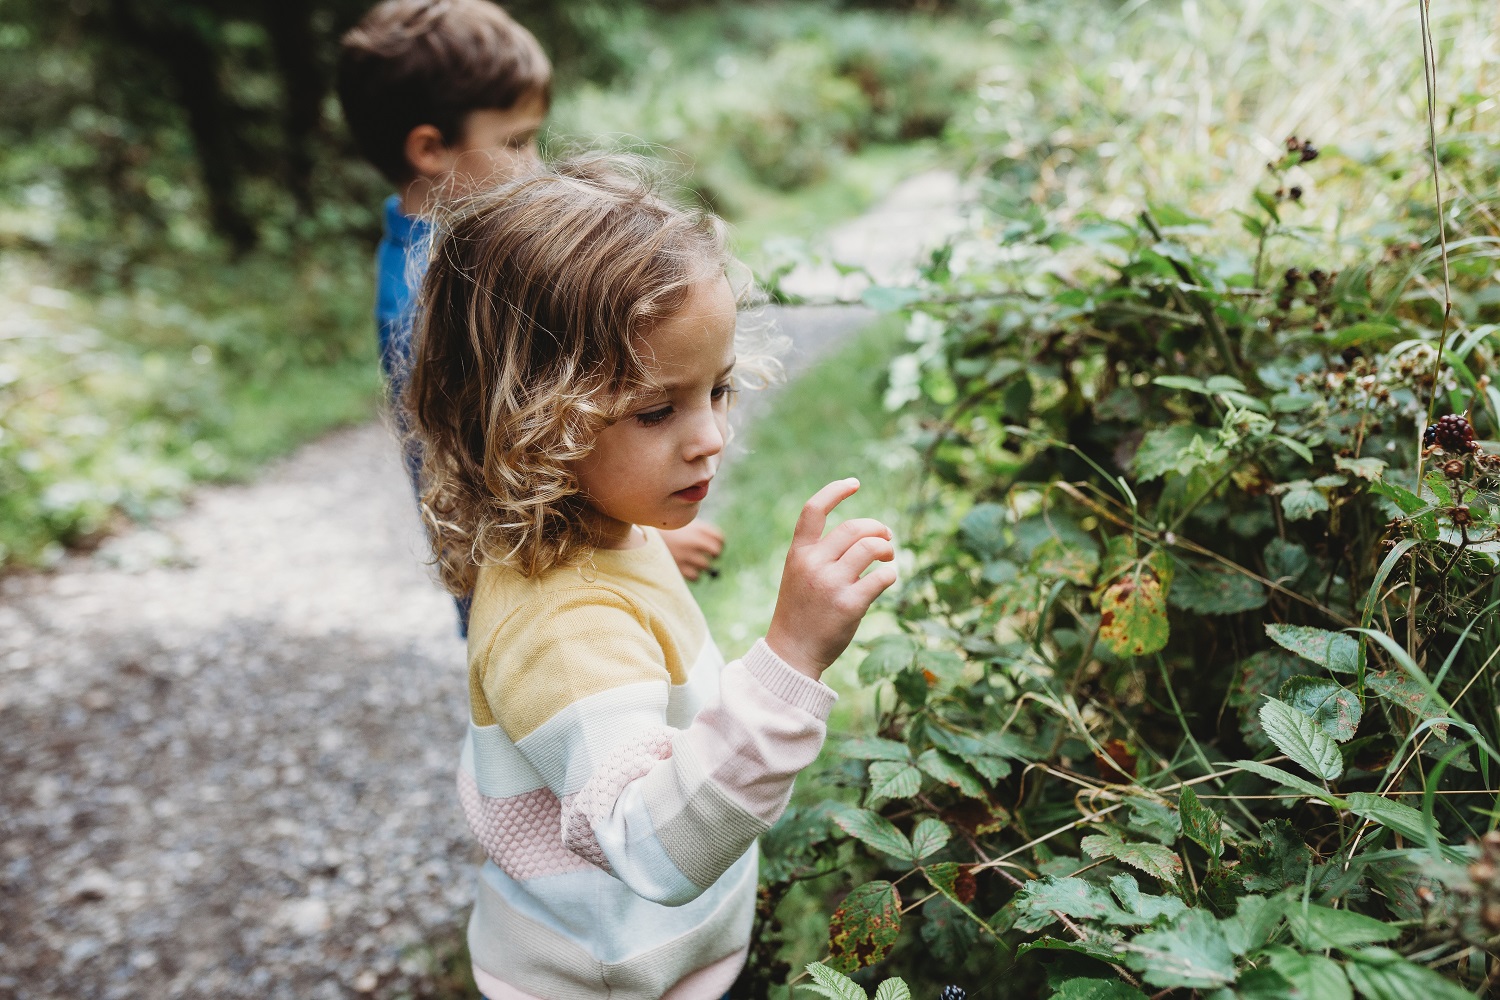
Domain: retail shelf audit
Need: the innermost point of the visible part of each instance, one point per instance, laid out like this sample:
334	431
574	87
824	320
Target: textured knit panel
594	803
519	833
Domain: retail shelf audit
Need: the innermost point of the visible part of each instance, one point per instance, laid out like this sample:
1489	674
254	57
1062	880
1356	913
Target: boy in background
445	97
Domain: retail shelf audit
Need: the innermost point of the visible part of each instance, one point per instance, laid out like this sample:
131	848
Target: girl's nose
706	438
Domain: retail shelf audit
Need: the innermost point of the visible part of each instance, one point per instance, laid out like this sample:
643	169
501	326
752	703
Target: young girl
570	389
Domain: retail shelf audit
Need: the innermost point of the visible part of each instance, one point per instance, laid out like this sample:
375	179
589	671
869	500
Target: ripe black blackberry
952	993
1452	433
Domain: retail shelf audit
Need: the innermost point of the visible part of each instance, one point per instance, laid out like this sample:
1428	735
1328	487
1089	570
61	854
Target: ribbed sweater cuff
787	683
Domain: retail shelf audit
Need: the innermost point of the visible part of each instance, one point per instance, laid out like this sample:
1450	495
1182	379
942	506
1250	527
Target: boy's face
499	145
494	145
653	465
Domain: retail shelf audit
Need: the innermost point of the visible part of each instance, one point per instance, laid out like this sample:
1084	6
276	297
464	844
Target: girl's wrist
792	655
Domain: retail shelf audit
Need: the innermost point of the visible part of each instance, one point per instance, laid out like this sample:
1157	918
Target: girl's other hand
695	546
823	596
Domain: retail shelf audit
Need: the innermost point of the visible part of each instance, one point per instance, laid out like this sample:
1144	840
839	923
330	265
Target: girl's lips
693	493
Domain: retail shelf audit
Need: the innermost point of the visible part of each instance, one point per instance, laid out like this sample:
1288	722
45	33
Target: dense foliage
1193	691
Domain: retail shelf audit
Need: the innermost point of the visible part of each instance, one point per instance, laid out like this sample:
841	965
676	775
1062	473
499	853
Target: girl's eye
723	391
654	417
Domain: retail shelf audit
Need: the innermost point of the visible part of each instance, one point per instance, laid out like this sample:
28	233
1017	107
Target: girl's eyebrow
674	386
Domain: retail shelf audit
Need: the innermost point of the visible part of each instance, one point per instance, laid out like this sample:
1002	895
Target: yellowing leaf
864	928
1133	616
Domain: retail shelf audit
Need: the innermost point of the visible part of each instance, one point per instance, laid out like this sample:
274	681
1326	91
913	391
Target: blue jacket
400	263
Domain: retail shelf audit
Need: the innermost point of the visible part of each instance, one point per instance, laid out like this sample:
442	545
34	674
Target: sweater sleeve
581	689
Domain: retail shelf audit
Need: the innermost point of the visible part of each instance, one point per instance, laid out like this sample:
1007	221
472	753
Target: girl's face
653	466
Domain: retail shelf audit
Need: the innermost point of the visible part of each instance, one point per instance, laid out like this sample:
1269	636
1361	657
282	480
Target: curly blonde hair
526	347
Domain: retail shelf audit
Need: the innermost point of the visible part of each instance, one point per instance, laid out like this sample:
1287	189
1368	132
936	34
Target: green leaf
864	928
1405	499
1191	954
1133	616
982	531
1155	819
888	656
1382	974
1256	984
1103	945
1334	650
1314	977
946	666
1296	447
1184	382
948	931
952	773
928	837
1297	736
1399	689
875	748
875	831
1063	559
1318	928
891	779
1213	590
1334	708
1301	500
971	746
1277	860
1153	859
1170	449
1140	908
1257	675
1255	920
1200	824
1290	780
1037	903
893	989
1388	813
1286	562
1364	468
1096	989
828	983
787	847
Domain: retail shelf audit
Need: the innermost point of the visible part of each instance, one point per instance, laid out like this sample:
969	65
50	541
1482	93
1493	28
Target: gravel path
229	740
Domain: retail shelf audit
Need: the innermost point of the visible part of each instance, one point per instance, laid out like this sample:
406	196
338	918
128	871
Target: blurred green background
186	230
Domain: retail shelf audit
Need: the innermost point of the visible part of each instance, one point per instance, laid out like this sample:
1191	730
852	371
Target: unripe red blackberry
1452	433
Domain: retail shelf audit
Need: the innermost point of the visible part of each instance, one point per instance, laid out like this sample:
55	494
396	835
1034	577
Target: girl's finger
840	538
814	516
874	583
872	548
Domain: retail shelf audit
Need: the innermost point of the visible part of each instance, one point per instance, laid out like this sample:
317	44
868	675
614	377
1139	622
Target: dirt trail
228	739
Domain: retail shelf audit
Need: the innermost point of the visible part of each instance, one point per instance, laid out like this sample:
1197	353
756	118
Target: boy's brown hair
431	62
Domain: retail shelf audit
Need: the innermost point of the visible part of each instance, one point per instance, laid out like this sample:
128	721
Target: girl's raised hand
823	596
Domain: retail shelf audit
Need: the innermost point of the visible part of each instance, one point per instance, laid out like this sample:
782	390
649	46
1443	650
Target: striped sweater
617	773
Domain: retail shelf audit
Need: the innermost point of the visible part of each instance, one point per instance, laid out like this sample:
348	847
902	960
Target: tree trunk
193	65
